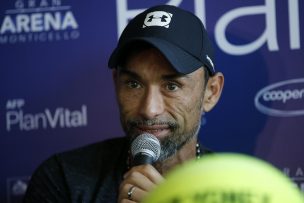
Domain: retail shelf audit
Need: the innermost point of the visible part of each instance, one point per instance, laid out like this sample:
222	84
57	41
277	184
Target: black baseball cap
178	34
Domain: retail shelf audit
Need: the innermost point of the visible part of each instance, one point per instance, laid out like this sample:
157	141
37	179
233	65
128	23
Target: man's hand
138	181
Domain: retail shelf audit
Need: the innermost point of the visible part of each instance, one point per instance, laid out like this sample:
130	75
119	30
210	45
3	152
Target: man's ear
213	91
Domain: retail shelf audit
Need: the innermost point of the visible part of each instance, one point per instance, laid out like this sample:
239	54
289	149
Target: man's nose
152	104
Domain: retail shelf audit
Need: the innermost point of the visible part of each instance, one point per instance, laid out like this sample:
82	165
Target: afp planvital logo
282	99
38	21
17	118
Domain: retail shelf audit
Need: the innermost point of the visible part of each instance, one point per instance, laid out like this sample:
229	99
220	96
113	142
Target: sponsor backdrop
57	92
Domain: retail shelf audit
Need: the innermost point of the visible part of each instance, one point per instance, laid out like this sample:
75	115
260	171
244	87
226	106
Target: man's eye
172	87
133	84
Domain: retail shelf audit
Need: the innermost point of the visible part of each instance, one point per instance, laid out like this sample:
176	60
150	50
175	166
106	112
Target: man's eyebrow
129	73
175	76
171	76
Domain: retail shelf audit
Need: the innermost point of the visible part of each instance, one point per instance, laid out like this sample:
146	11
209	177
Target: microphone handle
142	159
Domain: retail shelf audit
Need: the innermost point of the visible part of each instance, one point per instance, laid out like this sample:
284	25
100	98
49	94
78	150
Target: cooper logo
283	93
158	18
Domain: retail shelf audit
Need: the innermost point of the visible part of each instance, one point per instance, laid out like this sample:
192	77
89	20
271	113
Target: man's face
154	98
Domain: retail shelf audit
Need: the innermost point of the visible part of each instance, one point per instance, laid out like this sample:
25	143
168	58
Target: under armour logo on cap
158	18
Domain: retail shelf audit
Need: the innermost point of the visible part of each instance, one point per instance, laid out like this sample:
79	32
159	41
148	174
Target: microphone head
146	144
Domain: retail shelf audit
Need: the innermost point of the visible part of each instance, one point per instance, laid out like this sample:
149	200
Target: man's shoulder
102	154
87	162
102	148
78	171
97	153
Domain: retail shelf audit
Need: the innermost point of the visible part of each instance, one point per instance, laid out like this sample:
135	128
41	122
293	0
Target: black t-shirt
89	174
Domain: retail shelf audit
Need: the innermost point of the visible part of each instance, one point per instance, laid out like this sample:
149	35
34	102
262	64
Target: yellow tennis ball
226	178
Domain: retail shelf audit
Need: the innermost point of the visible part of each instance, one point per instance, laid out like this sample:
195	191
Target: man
165	80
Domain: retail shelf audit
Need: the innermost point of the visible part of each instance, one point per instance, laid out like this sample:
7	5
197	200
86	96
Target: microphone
145	149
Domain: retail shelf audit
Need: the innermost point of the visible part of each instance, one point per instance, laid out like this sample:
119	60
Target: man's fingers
148	171
138	181
131	193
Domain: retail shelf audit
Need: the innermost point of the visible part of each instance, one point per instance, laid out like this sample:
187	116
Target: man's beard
169	144
175	141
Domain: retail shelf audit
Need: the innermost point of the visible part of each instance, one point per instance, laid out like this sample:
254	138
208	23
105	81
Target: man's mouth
157	130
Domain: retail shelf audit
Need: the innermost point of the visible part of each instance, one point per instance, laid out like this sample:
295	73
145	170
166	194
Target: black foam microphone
145	149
